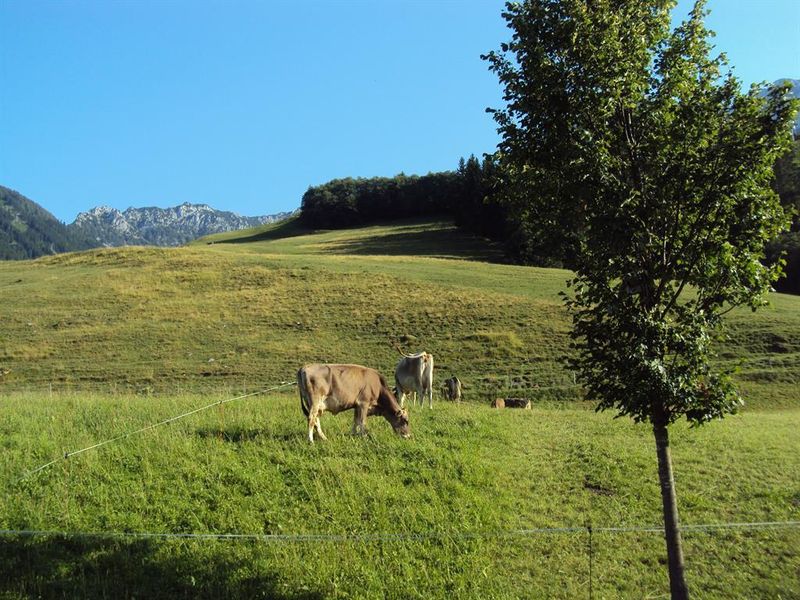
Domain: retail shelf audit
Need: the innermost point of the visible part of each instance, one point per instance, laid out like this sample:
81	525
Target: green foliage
786	247
623	134
787	181
477	209
29	231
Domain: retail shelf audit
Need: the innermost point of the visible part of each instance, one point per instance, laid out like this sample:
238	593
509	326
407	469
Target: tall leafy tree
623	135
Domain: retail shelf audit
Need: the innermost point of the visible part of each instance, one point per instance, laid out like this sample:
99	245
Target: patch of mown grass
458	490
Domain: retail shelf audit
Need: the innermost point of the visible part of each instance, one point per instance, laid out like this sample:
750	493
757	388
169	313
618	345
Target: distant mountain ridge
28	231
106	226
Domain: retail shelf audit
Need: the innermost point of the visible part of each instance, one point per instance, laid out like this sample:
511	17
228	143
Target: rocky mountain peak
171	226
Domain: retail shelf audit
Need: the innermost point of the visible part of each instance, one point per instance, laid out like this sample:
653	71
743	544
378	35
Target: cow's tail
399	350
302	385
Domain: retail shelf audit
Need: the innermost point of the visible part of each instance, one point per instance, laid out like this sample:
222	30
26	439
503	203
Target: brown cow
336	388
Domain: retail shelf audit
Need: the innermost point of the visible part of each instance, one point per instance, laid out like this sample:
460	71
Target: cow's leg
429	391
359	417
314	414
398	390
312	419
318	427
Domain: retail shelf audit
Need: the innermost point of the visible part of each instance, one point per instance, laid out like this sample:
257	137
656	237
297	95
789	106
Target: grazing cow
414	373
336	388
452	389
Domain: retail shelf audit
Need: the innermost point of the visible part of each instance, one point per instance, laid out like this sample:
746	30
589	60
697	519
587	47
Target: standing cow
452	389
414	373
336	388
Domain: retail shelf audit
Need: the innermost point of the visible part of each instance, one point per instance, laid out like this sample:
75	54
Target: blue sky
244	104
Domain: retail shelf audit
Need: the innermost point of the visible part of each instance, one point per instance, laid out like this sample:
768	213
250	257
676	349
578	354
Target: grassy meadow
101	343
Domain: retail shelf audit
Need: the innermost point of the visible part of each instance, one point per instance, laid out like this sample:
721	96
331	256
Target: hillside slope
245	315
27	230
479	504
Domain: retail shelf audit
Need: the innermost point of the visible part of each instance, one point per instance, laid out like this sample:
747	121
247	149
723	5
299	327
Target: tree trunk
677	580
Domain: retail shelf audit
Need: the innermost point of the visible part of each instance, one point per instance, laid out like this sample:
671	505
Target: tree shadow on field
448	242
241	435
285	229
236	435
58	567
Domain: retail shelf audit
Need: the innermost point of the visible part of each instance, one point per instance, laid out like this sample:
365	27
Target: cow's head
400	423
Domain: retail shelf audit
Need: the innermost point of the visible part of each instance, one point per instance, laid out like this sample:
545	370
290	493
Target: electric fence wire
128	434
393	537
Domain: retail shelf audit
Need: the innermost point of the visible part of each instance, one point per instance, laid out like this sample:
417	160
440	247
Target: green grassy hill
100	343
246	312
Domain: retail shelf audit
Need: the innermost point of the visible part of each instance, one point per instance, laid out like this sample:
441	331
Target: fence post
591	560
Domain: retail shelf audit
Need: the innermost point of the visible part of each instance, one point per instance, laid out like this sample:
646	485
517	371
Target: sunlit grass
100	343
458	490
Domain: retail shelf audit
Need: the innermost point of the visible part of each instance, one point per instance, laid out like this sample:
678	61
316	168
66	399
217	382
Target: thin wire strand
388	537
149	427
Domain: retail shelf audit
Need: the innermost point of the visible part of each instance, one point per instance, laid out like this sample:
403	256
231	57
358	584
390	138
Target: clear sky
244	104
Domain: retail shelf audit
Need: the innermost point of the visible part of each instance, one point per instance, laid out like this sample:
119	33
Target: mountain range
105	226
27	230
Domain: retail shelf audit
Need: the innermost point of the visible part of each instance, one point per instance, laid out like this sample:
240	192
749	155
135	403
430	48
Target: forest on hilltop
471	196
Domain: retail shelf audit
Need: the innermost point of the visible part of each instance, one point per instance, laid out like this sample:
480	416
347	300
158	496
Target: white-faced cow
414	373
336	388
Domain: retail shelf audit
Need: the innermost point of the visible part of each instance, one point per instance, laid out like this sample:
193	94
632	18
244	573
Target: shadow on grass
235	435
444	241
284	229
58	567
437	243
238	435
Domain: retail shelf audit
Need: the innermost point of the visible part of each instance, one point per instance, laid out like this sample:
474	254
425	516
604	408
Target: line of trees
472	195
787	184
463	195
353	202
